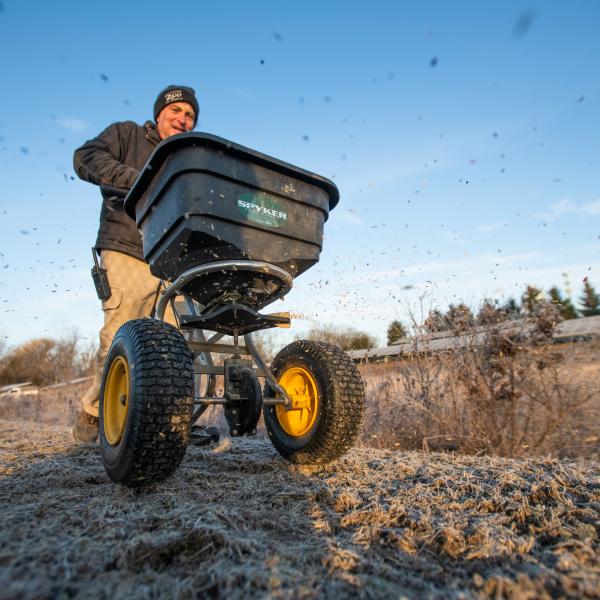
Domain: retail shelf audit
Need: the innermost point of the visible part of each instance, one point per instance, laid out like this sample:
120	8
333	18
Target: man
114	160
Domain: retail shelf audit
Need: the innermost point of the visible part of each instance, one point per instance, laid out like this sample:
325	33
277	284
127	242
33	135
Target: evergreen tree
532	298
590	301
435	322
396	330
511	308
567	310
489	313
460	317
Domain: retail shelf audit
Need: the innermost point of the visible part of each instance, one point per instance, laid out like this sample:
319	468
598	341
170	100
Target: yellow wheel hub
116	400
302	389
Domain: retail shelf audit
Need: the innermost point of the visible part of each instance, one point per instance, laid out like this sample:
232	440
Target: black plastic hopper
201	198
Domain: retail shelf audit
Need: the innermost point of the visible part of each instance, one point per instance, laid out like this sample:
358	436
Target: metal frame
224	265
203	348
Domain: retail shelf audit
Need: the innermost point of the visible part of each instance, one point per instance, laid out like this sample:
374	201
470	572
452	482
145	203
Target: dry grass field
237	521
476	475
497	399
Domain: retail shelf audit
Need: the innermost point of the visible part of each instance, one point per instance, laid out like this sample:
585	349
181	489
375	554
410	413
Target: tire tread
343	408
162	411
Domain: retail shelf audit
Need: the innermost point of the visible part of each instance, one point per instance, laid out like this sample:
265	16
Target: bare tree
43	361
346	338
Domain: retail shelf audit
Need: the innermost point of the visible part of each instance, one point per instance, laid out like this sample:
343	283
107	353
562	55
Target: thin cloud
72	123
591	208
419	269
241	93
403	166
513	258
350	216
468	264
453	236
567	206
492	227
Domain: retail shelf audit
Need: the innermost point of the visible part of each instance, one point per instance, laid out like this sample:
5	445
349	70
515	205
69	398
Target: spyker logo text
262	208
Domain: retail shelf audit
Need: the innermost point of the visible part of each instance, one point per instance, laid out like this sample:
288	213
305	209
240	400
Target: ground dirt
237	521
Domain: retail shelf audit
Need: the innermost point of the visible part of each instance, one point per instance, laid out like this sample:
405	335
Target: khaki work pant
135	293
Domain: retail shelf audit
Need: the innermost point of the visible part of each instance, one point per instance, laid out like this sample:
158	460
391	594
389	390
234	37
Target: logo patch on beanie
173	96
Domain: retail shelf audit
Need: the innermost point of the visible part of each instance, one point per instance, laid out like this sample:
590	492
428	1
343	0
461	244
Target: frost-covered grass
237	521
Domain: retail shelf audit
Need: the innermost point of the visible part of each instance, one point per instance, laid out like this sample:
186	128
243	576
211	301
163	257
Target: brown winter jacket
114	160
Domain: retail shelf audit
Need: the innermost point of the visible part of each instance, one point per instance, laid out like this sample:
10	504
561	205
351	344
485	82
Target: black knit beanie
176	93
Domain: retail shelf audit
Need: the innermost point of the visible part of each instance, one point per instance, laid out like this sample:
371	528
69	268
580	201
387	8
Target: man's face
176	117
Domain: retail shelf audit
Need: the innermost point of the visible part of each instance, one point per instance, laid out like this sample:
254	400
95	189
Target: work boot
85	428
203	436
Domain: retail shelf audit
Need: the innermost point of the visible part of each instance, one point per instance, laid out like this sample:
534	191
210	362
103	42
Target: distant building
573	329
19	389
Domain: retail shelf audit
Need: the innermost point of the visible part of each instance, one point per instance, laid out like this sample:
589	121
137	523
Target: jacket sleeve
99	160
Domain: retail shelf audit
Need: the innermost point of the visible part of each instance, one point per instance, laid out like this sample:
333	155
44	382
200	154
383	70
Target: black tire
248	410
153	363
338	415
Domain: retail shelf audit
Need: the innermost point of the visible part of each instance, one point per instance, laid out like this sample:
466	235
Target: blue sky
464	138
